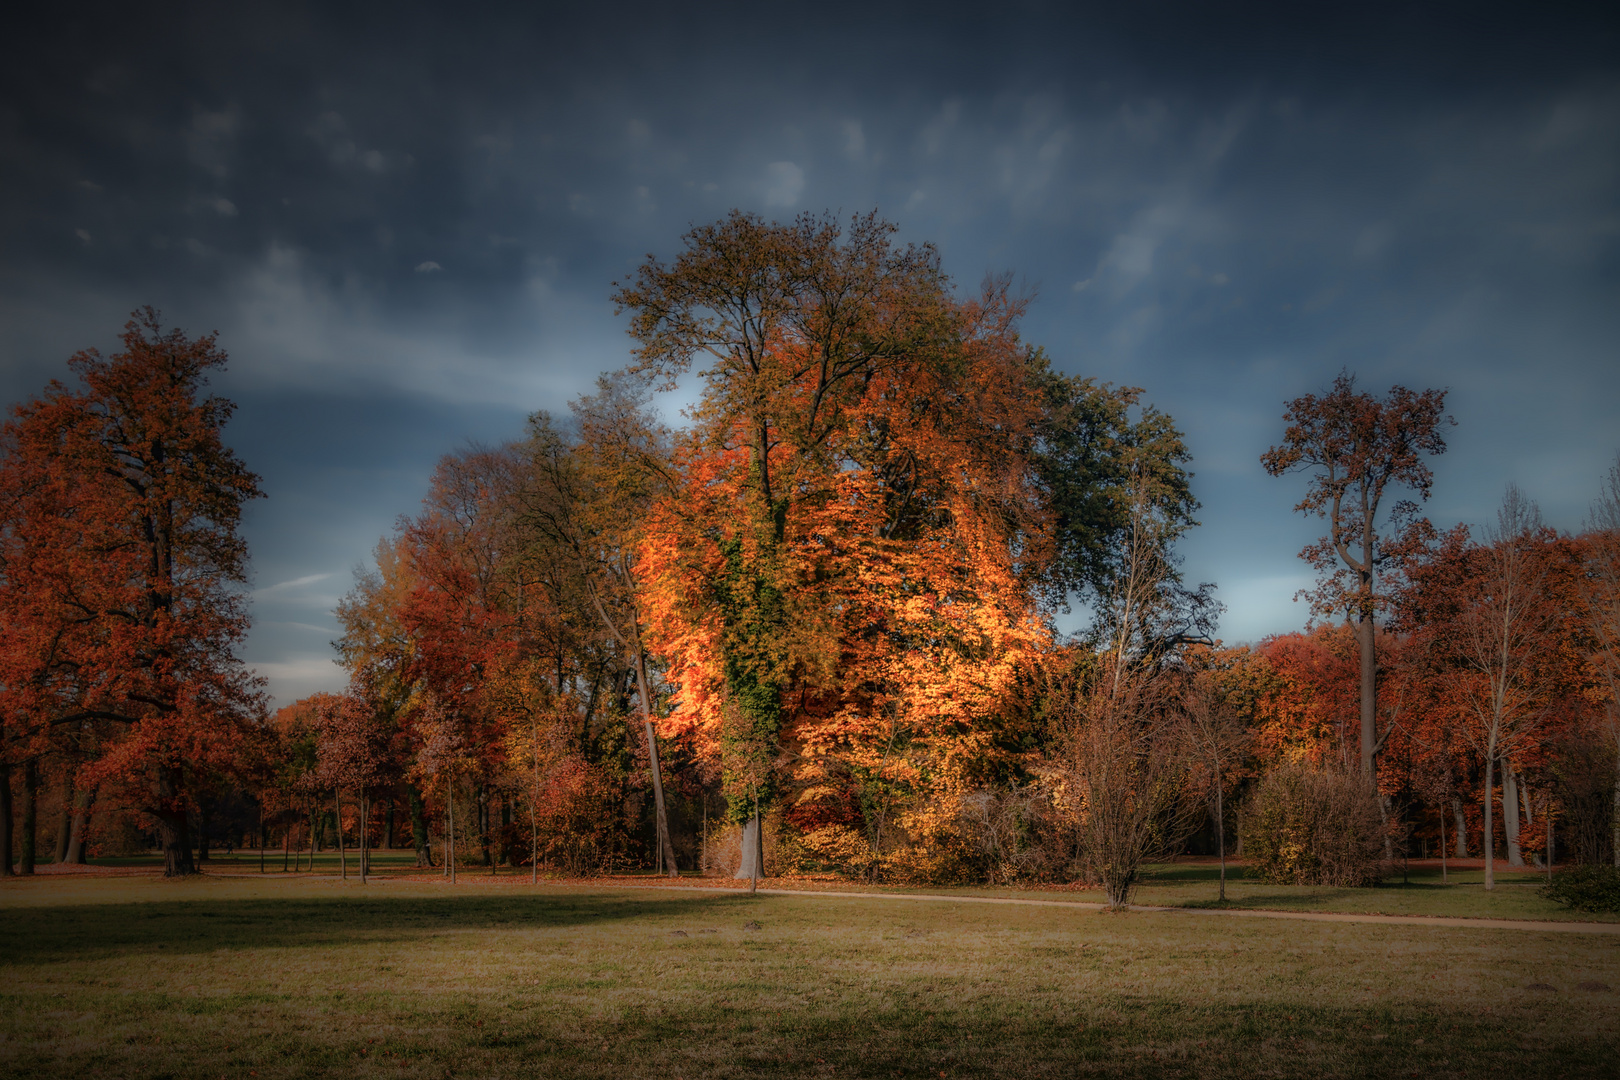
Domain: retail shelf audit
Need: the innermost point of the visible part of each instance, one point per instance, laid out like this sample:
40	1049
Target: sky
403	221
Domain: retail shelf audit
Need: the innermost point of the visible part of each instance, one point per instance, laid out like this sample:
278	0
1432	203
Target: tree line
814	628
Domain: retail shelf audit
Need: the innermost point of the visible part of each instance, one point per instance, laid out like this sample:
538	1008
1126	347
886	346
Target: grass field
284	977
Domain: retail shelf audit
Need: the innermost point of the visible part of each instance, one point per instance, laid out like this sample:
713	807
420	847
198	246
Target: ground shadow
38	935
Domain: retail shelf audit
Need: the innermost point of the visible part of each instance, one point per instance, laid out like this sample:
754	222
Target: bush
1305	826
1585	888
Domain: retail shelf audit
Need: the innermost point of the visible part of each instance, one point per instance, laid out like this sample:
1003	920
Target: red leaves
122	562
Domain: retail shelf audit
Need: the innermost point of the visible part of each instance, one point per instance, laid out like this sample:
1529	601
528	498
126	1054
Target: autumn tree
1356	447
1601	608
132	494
587	503
795	322
1496	611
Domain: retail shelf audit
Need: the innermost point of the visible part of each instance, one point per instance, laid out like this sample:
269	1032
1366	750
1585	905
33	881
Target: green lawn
285	977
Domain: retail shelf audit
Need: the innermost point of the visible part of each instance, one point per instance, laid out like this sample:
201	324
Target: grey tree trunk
666	850
1490	839
1510	815
751	867
1369	699
1461	824
81	822
337	819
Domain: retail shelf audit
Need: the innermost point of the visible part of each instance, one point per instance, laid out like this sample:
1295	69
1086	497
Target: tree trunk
365	813
1220	831
5	819
419	829
202	830
1490	839
1510	815
64	818
286	846
337	815
751	867
173	827
1614	834
81	824
1369	697
388	824
30	808
666	851
1460	823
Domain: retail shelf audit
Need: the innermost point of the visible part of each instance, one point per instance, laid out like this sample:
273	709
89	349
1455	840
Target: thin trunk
388	824
1490	840
81	824
365	817
665	850
286	846
30	806
337	818
1460	823
1510	815
1383	819
1442	849
1220	829
450	832
5	819
1546	815
1369	697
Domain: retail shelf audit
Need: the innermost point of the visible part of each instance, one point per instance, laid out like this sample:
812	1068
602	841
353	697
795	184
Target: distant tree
1356	446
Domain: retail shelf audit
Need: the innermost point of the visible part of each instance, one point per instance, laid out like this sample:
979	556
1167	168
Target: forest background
815	629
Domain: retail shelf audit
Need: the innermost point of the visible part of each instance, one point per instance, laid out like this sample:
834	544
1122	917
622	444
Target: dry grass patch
285	979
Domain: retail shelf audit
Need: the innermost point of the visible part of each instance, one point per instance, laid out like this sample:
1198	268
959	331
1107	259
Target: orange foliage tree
123	574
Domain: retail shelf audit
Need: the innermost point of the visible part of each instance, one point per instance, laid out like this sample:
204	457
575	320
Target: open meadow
283	977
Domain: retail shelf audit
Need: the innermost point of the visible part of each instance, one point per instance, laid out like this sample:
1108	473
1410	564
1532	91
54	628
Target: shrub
1585	888
1305	826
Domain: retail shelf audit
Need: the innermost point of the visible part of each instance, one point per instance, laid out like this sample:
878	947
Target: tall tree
589	503
796	321
144	597
1356	446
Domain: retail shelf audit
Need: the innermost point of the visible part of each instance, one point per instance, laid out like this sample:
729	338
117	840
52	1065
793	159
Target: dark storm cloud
404	223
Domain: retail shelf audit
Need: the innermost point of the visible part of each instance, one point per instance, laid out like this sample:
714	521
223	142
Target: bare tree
1217	740
1503	634
1121	768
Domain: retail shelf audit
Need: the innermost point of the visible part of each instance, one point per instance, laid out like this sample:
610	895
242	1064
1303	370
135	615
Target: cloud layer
404	224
